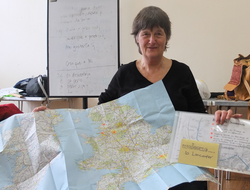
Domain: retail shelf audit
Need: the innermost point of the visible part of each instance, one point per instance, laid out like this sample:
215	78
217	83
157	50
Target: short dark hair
150	17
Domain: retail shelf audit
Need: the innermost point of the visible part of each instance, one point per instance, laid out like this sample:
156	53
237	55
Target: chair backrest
203	89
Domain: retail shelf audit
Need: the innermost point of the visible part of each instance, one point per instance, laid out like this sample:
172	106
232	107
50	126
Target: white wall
23	40
206	35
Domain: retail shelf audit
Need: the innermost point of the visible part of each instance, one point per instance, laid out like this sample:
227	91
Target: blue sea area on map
70	132
55	173
131	185
158	110
8	124
82	125
6	173
154	181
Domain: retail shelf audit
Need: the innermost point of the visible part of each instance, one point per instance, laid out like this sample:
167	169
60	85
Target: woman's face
152	42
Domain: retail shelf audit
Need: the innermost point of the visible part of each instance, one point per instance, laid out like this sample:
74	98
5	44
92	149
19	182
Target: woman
152	31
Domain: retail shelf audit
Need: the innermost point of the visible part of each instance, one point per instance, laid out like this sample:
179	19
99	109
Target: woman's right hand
40	108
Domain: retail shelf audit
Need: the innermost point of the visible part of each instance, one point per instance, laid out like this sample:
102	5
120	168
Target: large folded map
122	144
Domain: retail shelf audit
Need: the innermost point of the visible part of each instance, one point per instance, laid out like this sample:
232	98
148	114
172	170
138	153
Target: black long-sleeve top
179	83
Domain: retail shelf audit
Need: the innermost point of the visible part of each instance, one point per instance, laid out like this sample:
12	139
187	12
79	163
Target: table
43	100
229	103
218	103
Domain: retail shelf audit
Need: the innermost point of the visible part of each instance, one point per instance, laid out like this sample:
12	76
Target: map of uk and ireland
123	144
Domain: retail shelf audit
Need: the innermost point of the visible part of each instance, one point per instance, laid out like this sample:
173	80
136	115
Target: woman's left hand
40	108
222	115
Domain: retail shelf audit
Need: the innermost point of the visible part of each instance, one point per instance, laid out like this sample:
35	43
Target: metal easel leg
21	104
69	102
216	173
220	180
228	174
47	105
